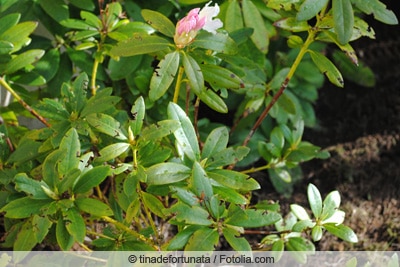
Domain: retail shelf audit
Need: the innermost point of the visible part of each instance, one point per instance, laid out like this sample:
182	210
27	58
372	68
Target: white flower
209	12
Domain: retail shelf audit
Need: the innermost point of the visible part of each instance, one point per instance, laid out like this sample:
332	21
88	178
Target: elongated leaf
75	224
214	101
220	77
91	179
93	206
331	204
300	212
106	124
379	10
91	19
315	200
100	102
160	129
233	18
342	231
64	239
77	24
18	34
167	173
48	65
343	17
216	141
185	135
237	243
26	151
327	67
310	8
253	19
186	196
138	113
234	180
5	47
251	218
23	60
164	75
230	195
123	67
218	42
25	240
195	215
159	22
41	227
204	239
24	207
70	148
194	74
8	21
153	204
182	237
139	44
57	9
29	186
200	183
52	109
291	24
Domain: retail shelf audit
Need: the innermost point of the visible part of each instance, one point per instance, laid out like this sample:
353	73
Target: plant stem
256	169
285	83
22	102
178	84
94	74
130	231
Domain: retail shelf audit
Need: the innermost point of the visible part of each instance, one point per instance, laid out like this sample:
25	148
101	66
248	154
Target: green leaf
27	150
190	215
164	75
327	67
300	226
230	195
70	148
216	141
237	243
299	212
100	102
75	224
41	226
138	111
291	24
220	77
253	19
184	195
91	19
159	130
24	207
379	10
25	240
8	21
233	179
315	200
310	9
330	205
93	207
167	173
77	24
251	218
123	67
214	101
191	2
181	238
29	186
204	239
227	156
56	9
219	42
200	183
193	72
139	44
233	17
106	124
5	47
18	34
342	231
84	4
64	239
185	135
52	109
159	22
23	60
153	204
90	179
301	247
343	17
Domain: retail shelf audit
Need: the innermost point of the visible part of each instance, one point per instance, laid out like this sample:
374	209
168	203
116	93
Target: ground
361	128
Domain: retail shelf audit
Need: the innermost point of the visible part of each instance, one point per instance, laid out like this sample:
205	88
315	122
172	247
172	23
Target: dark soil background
361	128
